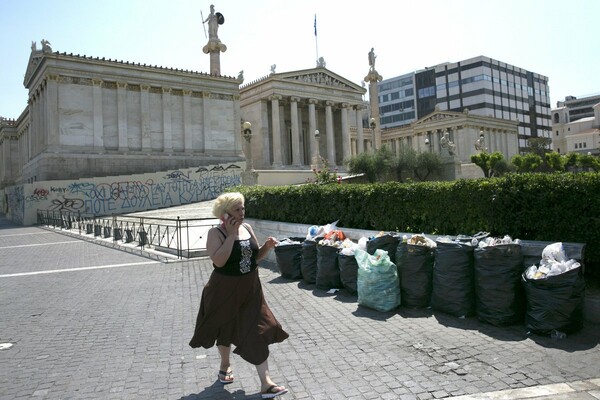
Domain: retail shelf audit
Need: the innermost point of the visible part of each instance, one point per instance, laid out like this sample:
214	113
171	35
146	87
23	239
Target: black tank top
242	259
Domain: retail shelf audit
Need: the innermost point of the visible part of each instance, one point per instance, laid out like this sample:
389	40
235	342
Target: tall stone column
312	127
187	121
167	124
372	78
97	114
50	110
360	134
206	112
30	145
145	117
295	134
122	116
346	151
275	123
329	133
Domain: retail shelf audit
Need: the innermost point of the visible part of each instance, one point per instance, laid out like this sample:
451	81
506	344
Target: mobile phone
225	217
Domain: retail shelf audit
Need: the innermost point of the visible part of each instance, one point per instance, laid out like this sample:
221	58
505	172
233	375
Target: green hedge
546	207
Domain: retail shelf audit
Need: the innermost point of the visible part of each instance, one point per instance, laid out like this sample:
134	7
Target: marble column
312	127
98	118
167	124
360	139
329	133
50	109
187	121
122	116
276	129
206	112
295	144
346	152
145	117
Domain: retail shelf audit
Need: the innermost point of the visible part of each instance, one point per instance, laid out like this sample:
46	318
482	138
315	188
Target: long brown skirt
233	311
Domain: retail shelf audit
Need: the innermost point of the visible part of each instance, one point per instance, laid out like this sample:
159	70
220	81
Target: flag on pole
315	24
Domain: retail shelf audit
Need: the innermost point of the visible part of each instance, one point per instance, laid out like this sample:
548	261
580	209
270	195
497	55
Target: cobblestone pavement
94	322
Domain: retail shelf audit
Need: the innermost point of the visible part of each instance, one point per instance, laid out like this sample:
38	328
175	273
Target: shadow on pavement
216	391
587	338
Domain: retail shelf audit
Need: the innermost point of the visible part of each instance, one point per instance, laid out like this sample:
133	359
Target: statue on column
214	46
372	58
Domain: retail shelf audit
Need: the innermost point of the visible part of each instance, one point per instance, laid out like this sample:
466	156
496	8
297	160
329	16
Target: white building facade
579	136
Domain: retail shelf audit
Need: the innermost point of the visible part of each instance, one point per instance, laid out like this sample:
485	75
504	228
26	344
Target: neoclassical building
286	109
456	136
91	116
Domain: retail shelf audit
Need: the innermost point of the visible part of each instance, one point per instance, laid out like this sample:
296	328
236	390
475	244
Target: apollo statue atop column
372	58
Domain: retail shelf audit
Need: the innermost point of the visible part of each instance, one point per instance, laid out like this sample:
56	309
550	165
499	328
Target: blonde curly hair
225	202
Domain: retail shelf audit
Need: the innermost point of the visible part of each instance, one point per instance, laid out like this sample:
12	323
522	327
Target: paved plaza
84	321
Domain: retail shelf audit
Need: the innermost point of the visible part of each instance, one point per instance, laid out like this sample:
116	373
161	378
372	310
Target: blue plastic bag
377	282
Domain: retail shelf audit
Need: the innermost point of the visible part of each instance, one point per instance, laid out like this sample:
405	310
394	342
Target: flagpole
316	41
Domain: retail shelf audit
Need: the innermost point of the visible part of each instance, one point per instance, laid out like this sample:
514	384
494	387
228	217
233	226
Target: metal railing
184	238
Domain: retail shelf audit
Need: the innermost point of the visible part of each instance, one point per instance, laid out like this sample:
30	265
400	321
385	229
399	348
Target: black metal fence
184	238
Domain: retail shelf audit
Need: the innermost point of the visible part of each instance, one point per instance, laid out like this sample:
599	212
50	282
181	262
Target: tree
530	162
588	162
539	145
426	165
363	163
405	163
491	164
555	161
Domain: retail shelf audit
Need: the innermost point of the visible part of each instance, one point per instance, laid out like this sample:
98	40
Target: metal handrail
184	238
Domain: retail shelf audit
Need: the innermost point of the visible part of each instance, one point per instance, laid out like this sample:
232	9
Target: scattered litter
5	346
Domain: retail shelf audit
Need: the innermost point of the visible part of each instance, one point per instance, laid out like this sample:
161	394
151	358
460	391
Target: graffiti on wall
103	196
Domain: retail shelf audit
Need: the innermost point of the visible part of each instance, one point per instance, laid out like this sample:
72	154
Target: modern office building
482	85
579	108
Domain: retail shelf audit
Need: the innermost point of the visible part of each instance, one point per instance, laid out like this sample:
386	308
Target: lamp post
373	125
428	144
247	134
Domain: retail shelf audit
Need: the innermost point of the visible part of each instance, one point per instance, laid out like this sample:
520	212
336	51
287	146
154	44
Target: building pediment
35	58
318	76
439	116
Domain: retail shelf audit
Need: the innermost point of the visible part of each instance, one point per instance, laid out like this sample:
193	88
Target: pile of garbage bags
463	276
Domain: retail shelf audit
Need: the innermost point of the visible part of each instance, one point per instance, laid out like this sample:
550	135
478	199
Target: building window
556	133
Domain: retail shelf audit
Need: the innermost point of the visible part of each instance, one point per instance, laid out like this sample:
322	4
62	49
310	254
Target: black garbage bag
415	272
453	288
308	266
387	242
348	272
289	258
499	294
328	271
555	302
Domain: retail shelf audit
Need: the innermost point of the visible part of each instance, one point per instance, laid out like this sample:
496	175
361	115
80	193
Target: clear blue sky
557	39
